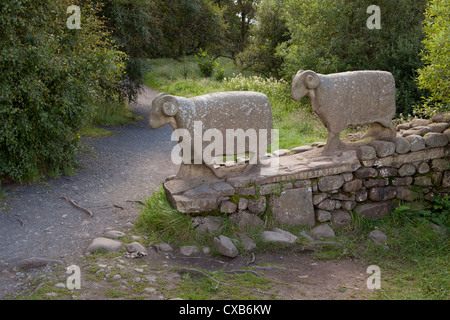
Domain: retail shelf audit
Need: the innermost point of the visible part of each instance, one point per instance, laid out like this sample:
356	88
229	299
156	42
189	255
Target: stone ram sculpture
224	113
349	99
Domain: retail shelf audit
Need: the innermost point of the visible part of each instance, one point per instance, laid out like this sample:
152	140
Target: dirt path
129	165
126	167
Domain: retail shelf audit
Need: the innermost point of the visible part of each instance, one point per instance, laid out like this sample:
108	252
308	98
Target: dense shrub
435	75
50	75
206	63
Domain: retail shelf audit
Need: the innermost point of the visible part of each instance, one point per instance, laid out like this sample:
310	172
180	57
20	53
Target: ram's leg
253	161
333	142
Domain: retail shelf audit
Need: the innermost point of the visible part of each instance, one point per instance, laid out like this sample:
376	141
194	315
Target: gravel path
126	167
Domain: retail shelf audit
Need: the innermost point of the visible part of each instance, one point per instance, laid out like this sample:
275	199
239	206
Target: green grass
415	261
218	285
108	114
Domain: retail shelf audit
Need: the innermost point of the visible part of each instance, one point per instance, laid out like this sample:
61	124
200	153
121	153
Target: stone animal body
220	112
349	99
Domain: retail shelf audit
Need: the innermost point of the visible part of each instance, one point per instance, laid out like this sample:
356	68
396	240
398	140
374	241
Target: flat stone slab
301	166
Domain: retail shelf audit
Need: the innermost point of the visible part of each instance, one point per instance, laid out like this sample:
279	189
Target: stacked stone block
416	163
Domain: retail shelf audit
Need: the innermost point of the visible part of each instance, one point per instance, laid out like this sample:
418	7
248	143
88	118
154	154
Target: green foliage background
435	75
50	76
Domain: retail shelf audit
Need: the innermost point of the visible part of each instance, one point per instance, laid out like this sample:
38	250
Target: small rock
403	126
113	234
352	186
419	122
164	247
363	173
366	153
435	140
361	195
406	181
318	198
322	231
100	243
139	270
258	205
376	210
417	142
419	131
377	236
301	149
267	189
247	242
348	205
281	152
208	224
51	294
243	203
440	164
35	262
406	170
245	219
228	207
323	215
117	277
136	247
423	168
387	172
60	285
279	236
327	204
225	246
330	183
402	145
447	134
438	127
383	148
382	194
189	250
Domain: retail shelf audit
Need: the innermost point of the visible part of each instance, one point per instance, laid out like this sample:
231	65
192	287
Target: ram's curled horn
169	105
311	80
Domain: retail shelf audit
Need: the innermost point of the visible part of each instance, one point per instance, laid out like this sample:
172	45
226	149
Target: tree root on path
88	212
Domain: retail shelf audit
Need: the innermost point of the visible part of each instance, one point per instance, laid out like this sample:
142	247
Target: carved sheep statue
224	112
349	99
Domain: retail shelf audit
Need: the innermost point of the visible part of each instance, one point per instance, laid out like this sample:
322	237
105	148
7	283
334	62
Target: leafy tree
50	75
435	75
331	36
135	28
238	16
189	25
266	34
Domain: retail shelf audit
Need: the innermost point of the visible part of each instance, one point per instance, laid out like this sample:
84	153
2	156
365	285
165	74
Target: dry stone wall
372	180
